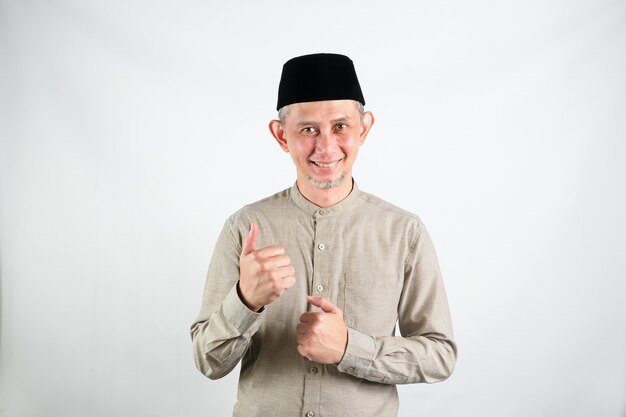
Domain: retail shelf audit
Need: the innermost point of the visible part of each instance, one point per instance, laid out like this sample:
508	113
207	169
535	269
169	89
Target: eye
308	130
341	126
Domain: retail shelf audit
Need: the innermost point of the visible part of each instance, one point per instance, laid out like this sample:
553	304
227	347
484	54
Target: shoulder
272	206
382	209
392	223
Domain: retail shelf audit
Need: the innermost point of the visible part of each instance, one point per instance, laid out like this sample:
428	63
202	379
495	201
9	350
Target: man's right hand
264	274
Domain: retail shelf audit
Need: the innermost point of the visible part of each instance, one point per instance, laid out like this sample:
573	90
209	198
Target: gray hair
283	112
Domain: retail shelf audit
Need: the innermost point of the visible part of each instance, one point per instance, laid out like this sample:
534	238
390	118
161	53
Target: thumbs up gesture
264	274
322	336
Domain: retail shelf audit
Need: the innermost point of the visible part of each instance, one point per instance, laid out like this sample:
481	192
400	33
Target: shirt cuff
359	354
238	314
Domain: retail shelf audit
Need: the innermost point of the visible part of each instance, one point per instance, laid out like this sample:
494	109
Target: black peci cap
318	77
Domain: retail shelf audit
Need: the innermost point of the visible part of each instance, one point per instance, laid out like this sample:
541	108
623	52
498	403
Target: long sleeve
425	351
375	262
222	332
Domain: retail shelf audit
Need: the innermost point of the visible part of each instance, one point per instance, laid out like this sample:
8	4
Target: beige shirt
374	261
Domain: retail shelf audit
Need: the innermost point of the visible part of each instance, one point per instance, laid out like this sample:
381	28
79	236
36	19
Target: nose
326	142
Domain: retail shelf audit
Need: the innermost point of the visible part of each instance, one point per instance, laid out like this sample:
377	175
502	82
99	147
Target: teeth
326	165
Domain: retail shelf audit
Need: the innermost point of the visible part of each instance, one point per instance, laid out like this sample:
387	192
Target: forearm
220	342
399	360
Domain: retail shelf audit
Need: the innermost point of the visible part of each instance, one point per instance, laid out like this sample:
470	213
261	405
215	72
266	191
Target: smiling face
323	139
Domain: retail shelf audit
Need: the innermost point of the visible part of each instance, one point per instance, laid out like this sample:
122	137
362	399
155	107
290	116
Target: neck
324	197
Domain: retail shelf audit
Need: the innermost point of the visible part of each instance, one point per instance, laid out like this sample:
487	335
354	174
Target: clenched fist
264	274
322	336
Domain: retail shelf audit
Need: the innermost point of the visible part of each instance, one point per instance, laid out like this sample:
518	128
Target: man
305	287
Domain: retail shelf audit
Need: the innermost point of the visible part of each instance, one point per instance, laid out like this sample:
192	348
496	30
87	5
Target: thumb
323	303
249	245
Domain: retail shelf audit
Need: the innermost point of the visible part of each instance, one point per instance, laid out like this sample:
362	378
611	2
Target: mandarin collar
313	209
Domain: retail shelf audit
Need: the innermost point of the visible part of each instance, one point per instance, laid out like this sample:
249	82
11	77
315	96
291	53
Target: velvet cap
318	77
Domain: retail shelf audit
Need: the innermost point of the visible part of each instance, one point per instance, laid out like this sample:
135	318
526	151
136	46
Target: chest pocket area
370	301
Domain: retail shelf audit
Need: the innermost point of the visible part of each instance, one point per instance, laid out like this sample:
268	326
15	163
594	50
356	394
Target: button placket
318	286
323	233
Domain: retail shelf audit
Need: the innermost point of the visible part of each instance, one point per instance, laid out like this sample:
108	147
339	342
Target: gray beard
326	184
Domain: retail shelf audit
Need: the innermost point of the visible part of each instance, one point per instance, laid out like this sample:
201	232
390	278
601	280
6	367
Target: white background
132	129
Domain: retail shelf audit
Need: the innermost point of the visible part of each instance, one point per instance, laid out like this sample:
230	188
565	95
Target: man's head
321	120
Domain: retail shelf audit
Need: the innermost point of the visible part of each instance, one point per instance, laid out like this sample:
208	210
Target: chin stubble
327	184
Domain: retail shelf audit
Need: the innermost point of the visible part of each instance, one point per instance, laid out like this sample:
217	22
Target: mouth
326	164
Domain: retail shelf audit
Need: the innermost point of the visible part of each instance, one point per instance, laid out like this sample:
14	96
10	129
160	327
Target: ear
278	132
366	125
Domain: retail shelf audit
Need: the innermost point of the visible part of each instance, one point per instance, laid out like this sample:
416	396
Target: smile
326	165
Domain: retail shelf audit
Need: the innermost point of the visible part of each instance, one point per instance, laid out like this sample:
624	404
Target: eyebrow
306	123
338	120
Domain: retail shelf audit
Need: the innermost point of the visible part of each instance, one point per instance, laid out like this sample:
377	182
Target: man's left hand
322	336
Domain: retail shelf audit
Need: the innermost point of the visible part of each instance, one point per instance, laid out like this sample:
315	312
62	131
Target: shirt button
321	246
350	370
322	212
313	369
310	414
319	288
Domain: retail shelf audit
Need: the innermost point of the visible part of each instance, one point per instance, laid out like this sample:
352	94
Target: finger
323	303
302	351
250	243
281	260
307	317
283	272
289	282
278	261
271	251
